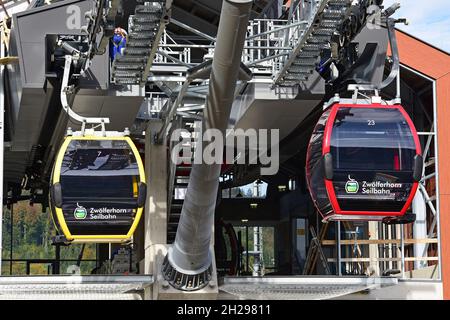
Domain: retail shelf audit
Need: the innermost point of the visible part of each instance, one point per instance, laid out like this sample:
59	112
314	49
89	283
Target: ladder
315	251
328	24
145	29
356	252
179	178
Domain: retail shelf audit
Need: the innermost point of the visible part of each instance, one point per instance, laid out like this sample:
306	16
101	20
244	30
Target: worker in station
119	41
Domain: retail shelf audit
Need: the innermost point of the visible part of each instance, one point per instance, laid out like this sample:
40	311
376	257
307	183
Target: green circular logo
80	212
352	186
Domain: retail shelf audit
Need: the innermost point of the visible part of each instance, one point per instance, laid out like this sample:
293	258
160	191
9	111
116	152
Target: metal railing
52	264
395	250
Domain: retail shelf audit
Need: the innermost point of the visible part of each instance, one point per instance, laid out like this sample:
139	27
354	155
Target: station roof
9	7
435	64
422	56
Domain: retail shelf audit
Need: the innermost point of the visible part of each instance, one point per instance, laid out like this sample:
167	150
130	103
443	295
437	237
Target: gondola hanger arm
67	89
389	23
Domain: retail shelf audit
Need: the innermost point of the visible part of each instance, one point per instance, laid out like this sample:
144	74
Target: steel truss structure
283	54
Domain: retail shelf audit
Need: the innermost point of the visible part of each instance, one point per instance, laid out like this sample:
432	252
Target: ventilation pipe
188	264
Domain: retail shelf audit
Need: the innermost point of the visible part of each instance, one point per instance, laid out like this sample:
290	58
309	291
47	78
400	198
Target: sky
428	20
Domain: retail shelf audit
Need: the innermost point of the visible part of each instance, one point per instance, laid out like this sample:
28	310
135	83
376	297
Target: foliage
32	232
267	247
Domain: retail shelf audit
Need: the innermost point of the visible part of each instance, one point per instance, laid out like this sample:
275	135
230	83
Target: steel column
2	139
188	264
339	253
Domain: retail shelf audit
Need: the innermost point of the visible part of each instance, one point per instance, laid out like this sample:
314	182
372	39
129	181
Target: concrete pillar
419	207
155	218
189	261
139	241
282	247
102	253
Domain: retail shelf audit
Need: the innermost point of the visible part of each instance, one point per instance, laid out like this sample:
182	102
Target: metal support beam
188	264
289	26
155	219
402	248
419	208
266	59
2	140
338	254
194	21
420	227
11	238
151	57
395	70
4	9
168	56
197	72
193	30
66	90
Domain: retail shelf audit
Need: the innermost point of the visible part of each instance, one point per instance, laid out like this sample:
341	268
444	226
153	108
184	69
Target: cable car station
117	179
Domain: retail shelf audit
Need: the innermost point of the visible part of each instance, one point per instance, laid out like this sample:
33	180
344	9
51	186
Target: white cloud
428	20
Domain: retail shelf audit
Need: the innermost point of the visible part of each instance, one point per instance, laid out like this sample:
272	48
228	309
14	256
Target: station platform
131	287
299	287
74	287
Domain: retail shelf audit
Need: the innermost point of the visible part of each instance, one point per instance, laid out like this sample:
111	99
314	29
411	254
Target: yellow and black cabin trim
98	189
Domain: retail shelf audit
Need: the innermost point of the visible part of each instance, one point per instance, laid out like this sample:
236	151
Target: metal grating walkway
300	288
74	287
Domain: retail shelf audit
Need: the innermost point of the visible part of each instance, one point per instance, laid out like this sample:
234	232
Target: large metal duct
188	264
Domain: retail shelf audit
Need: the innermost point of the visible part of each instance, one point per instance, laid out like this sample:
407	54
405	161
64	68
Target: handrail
374	242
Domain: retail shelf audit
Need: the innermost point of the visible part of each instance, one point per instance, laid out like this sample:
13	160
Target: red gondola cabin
363	162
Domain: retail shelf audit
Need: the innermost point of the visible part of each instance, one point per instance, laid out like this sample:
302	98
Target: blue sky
428	20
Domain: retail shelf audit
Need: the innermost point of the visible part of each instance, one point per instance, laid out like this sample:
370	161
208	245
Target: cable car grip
67	89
